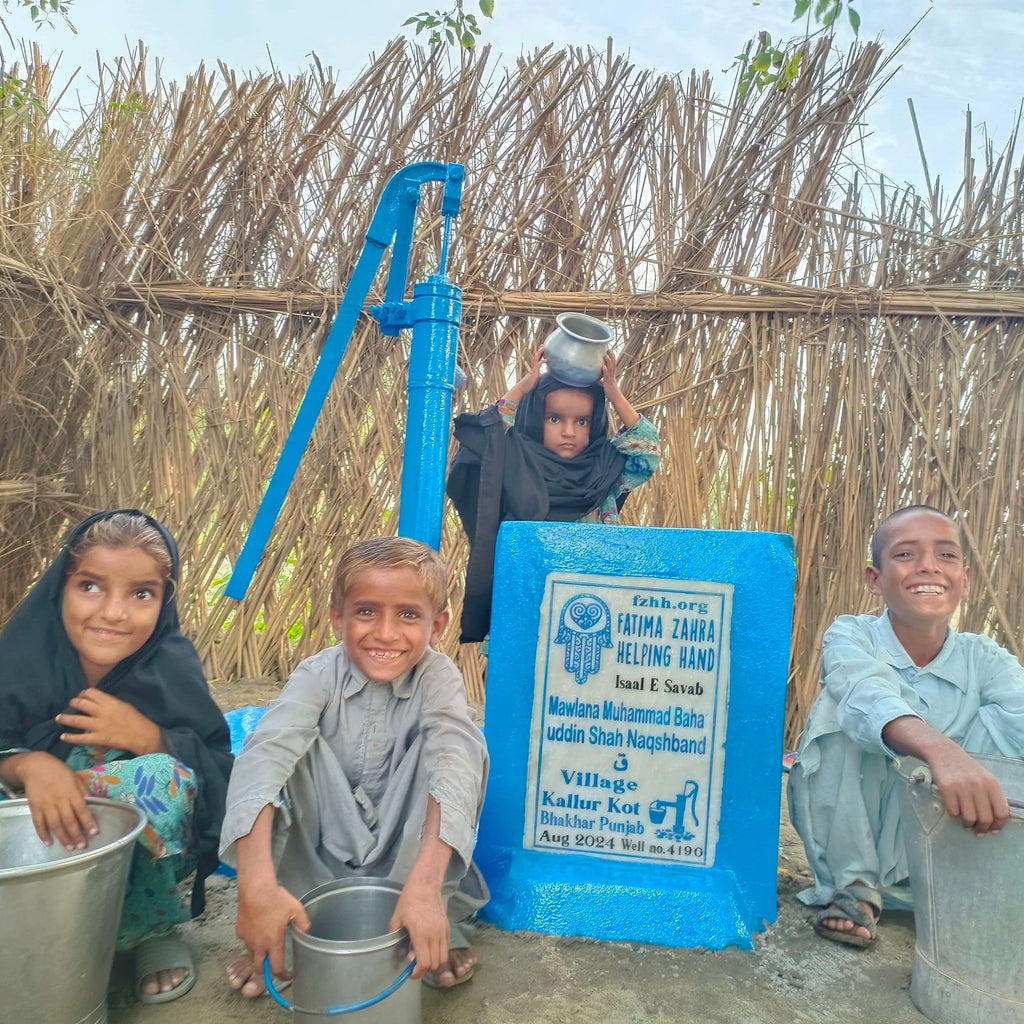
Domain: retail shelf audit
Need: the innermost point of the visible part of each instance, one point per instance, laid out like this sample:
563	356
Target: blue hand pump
434	315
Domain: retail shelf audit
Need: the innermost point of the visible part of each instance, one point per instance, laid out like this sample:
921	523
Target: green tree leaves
762	63
40	11
16	94
454	26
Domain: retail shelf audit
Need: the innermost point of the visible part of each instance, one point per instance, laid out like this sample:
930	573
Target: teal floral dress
165	789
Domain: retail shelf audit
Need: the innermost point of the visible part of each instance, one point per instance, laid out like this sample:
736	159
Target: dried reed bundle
170	270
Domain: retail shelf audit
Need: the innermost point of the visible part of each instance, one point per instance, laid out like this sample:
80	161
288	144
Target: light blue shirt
972	691
843	789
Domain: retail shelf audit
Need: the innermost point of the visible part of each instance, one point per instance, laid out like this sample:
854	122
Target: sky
963	54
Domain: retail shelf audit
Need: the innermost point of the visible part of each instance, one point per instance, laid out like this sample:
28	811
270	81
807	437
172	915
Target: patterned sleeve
642	448
507	408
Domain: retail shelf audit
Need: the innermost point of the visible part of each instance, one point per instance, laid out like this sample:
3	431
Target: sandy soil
791	977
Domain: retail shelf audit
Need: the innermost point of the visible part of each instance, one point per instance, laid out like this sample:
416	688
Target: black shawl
498	475
40	672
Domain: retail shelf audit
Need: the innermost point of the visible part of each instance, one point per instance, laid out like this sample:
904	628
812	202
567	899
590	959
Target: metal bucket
968	911
348	956
59	912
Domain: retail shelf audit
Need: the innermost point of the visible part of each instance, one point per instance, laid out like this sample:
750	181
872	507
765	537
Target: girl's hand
56	798
529	380
106	721
609	381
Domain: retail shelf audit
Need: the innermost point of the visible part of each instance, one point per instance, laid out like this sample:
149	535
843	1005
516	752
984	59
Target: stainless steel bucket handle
922	776
334	1011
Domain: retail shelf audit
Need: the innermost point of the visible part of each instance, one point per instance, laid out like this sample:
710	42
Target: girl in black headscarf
543	453
102	695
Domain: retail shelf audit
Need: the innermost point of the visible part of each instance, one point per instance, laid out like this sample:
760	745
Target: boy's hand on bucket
420	911
264	912
969	791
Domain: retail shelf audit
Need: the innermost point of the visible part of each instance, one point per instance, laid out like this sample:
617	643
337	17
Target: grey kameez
349	763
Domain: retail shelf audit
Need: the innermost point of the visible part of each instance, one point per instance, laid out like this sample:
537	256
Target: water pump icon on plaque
626	741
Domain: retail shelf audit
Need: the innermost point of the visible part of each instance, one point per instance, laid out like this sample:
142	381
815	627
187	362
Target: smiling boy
368	764
902	683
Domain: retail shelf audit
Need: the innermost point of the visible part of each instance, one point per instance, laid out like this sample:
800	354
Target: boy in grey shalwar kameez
899	683
368	764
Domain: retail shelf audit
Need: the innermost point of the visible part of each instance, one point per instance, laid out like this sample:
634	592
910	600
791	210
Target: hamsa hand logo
584	628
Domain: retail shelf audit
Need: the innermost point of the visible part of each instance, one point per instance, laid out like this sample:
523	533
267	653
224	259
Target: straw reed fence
814	354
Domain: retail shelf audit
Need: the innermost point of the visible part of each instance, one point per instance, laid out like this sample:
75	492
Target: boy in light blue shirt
902	683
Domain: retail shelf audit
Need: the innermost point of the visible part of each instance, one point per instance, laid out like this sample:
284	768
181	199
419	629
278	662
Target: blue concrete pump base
673	907
636	691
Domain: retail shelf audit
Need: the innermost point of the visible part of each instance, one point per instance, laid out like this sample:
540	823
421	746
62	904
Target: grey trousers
326	830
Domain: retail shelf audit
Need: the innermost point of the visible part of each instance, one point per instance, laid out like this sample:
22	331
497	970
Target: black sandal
847	907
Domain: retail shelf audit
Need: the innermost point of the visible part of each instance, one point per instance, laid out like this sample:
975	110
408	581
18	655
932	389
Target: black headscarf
498	475
40	671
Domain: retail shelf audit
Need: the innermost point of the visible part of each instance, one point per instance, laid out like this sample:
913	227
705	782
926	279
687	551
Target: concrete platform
791	976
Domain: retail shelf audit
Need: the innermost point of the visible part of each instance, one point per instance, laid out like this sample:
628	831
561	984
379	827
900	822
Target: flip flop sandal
163	953
457	940
846	907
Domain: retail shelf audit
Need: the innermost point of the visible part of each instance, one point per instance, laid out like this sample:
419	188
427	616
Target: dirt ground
791	977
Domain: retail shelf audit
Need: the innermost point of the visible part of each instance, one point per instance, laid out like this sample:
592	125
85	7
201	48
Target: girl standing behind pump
101	695
542	452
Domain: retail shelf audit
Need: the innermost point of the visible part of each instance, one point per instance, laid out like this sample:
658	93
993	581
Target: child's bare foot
245	975
460	967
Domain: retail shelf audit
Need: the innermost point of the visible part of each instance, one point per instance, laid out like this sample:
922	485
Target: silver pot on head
575	350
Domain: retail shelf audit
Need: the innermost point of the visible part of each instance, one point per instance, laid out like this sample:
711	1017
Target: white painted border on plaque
629	714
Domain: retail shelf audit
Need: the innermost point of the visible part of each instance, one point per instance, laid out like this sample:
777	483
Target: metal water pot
59	911
575	350
349	962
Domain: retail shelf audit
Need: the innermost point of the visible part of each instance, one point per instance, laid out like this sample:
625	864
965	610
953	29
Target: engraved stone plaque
629	718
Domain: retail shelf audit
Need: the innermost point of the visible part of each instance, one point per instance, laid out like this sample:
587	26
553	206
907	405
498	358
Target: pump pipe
434	315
